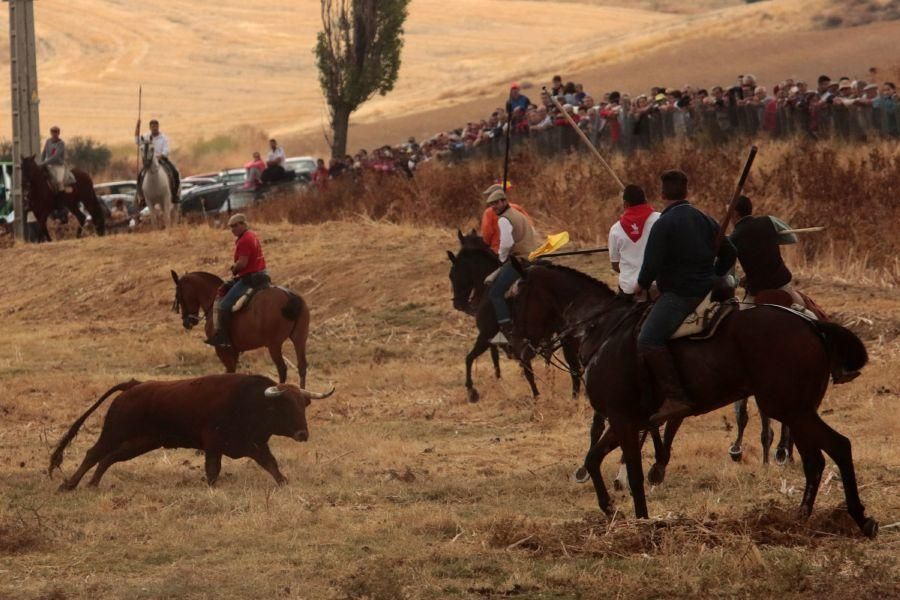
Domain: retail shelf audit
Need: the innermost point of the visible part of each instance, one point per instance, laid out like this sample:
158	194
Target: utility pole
23	75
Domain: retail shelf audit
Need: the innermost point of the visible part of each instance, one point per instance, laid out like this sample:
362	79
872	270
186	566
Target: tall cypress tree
358	54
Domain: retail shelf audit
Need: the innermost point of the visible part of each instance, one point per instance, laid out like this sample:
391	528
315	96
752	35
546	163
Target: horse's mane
208	277
580	275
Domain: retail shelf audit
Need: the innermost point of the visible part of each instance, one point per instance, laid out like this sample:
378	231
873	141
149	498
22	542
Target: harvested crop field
404	490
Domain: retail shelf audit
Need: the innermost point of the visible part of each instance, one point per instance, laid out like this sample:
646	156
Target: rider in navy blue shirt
682	258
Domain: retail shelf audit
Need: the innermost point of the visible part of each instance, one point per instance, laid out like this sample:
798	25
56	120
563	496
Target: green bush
87	154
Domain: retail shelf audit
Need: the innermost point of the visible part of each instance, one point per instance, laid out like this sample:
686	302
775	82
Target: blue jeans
237	290
664	319
505	278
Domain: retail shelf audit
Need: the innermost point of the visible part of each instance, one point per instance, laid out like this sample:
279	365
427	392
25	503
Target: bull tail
57	456
846	352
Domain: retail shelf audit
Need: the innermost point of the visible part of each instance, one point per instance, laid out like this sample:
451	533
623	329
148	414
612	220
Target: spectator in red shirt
249	271
320	175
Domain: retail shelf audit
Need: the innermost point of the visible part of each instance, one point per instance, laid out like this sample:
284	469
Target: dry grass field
404	490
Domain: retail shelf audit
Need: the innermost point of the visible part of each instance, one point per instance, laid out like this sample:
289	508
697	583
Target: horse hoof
781	457
870	528
656	474
736	452
581	475
64	487
473	395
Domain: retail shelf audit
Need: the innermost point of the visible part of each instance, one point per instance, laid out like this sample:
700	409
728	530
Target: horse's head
468	269
148	153
186	302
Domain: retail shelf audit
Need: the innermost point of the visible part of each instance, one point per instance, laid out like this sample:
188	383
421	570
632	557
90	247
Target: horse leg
607	442
278	359
528	371
621	480
72	206
598	426
741	417
813	465
657	473
495	358
302	365
766	436
783	451
481	344
631	450
814	431
570	351
228	357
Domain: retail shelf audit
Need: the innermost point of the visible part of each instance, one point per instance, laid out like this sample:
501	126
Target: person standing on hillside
249	271
161	150
517	99
628	238
682	259
54	158
490	230
517	239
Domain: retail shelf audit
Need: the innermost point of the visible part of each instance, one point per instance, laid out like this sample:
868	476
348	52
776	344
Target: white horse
156	189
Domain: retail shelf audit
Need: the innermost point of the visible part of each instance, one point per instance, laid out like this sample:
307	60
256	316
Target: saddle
257	282
703	323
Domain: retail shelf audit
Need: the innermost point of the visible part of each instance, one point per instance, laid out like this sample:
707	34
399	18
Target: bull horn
317	395
273	392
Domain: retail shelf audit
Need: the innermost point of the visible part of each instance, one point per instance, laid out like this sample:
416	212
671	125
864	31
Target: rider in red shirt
249	270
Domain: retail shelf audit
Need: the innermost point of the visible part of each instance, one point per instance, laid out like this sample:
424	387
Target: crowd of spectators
842	108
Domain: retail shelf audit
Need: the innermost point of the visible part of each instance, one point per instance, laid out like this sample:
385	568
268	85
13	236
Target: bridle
188	320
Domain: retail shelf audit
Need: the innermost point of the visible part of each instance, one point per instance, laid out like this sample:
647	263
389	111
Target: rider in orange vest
490	231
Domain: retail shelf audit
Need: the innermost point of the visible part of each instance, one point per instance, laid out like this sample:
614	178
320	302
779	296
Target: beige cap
237	218
492	189
496	196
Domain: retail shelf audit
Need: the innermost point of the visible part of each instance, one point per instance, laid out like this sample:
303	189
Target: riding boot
221	320
676	404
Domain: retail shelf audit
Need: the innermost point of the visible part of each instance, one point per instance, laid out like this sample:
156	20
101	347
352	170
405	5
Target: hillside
212	67
405	489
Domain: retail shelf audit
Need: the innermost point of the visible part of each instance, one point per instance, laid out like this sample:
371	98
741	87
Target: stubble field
404	490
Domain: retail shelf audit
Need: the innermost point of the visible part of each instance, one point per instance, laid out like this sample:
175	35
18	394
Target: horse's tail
57	456
297	311
846	352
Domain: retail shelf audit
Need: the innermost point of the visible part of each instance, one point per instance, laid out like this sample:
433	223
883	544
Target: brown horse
273	315
772	353
42	200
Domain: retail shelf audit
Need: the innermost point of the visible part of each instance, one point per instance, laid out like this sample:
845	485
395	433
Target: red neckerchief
633	219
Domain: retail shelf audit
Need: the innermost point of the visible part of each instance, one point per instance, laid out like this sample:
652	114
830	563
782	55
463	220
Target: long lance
575	252
585	139
137	162
508	130
723	225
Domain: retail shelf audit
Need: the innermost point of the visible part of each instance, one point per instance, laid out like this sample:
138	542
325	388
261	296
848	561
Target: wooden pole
137	160
25	99
737	194
585	139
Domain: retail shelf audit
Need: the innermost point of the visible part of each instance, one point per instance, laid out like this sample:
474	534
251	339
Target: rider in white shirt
628	237
161	149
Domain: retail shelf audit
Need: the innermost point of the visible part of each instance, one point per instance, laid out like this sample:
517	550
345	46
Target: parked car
207	198
113	188
301	165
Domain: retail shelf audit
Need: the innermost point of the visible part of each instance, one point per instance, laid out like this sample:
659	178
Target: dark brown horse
469	267
42	200
273	315
772	353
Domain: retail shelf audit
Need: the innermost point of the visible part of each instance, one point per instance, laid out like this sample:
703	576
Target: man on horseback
54	158
628	238
161	149
682	258
517	239
249	271
490	231
758	241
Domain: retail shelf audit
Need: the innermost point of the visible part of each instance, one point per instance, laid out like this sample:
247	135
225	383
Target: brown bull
231	415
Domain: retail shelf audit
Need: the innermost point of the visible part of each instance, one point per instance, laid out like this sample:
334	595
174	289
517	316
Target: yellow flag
554	242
